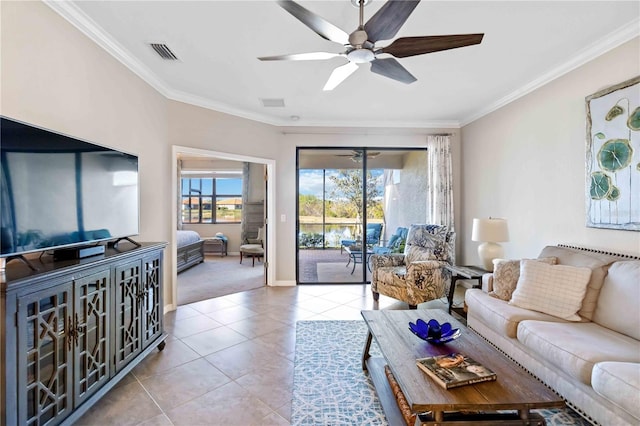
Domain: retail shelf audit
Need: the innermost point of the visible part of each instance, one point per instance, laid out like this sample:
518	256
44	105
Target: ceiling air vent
164	51
272	102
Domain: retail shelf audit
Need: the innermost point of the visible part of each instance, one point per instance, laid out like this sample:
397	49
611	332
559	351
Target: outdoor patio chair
374	233
418	275
395	244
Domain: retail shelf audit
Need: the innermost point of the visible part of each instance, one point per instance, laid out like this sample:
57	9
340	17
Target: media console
72	329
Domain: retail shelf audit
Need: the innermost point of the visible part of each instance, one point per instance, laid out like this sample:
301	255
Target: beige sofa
594	362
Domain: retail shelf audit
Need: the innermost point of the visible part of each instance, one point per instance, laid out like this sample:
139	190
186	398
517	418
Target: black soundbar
77	252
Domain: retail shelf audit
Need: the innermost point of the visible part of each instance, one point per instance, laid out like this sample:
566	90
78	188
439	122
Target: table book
454	370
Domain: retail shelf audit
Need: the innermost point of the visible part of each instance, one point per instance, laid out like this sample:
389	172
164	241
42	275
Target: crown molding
74	15
87	26
611	41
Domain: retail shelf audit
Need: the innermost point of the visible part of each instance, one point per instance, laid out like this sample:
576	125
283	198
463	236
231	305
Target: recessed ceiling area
217	43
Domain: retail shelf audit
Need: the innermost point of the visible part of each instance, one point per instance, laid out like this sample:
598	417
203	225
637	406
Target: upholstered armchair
418	275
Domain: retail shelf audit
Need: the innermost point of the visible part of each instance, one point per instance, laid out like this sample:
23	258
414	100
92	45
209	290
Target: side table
215	245
464	273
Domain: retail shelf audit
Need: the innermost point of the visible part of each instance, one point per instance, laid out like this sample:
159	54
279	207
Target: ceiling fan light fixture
361	56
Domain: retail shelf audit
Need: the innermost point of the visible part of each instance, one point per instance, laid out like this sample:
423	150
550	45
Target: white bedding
187	237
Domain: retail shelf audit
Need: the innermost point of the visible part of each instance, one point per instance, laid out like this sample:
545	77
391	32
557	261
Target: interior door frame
270	228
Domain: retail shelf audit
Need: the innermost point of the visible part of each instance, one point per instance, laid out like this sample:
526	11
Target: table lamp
490	232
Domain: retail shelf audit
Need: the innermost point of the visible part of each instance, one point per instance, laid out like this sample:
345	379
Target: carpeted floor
218	276
330	388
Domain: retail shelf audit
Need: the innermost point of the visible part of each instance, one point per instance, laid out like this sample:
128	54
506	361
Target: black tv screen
57	191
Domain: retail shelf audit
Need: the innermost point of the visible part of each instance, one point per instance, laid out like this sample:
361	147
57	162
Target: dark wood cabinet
73	329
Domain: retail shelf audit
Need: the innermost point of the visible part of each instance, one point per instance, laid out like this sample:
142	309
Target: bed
190	249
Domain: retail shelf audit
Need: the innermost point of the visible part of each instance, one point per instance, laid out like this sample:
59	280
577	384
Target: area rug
330	388
339	273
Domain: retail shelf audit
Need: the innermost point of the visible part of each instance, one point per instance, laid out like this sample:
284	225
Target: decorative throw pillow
556	290
506	274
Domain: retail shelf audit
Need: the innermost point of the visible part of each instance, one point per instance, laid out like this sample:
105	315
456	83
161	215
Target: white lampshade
489	232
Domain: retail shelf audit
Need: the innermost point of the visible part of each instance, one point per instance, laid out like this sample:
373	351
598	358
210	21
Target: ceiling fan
360	44
357	155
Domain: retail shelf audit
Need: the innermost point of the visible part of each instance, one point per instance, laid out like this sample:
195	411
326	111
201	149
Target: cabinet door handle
71	331
79	329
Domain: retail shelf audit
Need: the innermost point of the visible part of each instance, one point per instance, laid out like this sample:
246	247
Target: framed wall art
613	157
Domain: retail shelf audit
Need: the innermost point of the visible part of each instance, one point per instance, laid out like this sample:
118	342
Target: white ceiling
526	44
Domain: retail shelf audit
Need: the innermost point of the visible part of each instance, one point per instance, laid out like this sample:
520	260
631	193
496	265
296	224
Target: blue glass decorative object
434	332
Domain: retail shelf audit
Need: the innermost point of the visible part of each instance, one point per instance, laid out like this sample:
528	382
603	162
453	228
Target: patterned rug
330	388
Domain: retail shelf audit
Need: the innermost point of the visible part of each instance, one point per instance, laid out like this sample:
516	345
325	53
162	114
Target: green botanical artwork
613	157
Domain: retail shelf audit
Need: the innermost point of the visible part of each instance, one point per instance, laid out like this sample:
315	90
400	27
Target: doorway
350	202
269	243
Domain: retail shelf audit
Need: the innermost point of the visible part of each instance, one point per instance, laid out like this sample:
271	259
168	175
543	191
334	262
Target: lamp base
488	252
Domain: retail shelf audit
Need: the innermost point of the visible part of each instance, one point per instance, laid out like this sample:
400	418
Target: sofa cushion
552	289
619	299
506	274
619	382
597	262
499	315
576	347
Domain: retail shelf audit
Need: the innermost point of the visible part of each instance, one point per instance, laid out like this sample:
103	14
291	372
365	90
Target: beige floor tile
124	405
211	305
184	383
257	326
228	405
175	353
245	358
160	420
318	305
281	341
211	341
193	325
273	386
274	419
232	314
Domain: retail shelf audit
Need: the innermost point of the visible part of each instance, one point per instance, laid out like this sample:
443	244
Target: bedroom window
211	199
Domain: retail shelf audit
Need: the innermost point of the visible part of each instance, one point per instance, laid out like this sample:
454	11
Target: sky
311	181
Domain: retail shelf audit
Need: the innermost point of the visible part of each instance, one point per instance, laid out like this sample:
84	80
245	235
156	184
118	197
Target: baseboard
281	283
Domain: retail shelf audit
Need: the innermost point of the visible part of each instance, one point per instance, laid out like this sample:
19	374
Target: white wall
56	78
526	162
402	190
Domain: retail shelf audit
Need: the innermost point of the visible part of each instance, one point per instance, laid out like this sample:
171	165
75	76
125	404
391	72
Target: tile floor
207	374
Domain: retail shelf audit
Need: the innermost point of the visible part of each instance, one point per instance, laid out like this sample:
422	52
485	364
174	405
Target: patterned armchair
418	275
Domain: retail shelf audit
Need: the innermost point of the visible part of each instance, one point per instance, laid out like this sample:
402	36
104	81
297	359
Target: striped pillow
556	290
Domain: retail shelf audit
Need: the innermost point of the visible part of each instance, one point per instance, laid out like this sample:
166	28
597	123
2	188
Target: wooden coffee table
515	389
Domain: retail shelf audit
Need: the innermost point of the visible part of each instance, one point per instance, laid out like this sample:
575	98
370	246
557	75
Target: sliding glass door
345	196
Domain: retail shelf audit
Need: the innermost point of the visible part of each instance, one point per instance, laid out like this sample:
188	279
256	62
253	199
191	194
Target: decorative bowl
434	332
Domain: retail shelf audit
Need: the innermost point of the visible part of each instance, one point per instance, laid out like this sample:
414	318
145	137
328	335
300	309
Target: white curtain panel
440	186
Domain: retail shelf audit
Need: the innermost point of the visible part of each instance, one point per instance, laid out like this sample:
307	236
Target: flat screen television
61	192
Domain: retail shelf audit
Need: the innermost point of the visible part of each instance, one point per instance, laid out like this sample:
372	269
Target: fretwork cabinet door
128	311
152	306
91	340
45	356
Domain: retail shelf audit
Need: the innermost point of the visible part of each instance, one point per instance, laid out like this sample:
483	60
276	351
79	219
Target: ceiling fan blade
339	75
312	56
384	25
411	46
322	27
391	68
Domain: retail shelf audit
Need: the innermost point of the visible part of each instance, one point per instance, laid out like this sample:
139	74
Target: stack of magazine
454	370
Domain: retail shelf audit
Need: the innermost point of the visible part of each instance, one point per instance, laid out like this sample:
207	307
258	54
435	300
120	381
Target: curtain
246	175
179	203
440	186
